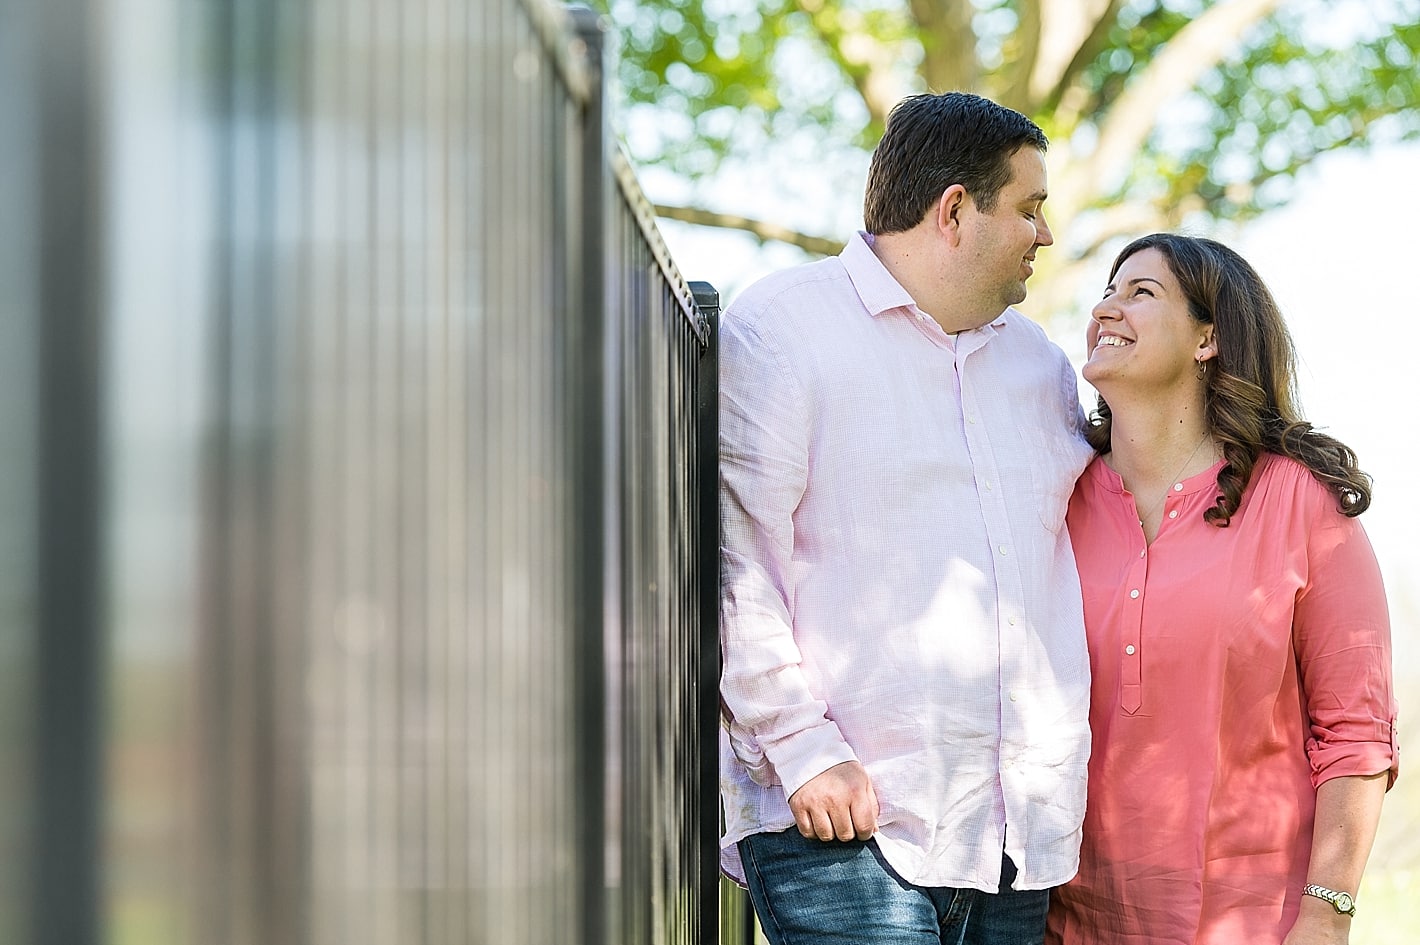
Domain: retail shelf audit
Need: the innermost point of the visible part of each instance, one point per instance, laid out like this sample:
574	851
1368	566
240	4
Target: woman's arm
1347	811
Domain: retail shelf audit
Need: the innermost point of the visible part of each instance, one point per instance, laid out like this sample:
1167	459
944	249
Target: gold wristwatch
1342	902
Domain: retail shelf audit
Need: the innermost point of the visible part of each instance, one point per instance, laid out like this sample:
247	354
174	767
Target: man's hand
838	803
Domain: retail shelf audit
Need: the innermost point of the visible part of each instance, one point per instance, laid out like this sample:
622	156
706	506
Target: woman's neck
1150	442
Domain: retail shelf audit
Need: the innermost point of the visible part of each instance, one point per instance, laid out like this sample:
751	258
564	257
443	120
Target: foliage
1251	90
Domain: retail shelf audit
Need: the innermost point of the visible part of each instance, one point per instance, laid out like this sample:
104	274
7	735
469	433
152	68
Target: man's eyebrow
1037	197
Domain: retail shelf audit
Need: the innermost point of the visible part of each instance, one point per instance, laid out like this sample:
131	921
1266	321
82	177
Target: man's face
1004	241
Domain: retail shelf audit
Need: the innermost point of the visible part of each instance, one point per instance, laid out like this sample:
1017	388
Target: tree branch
1196	48
1048	91
949	58
1022	54
761	230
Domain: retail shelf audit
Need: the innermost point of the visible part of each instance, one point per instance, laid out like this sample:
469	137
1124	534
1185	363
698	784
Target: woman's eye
1143	291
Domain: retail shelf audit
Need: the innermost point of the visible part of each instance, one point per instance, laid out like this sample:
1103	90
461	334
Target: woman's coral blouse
1234	670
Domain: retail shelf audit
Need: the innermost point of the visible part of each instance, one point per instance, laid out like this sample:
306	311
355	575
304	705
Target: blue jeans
808	891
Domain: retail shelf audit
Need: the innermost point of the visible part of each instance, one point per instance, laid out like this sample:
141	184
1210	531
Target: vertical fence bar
69	683
587	390
21	327
707	552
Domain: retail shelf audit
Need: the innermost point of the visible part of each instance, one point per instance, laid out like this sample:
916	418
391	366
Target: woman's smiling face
1141	331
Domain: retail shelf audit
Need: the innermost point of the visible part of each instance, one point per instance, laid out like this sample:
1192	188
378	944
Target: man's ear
950	207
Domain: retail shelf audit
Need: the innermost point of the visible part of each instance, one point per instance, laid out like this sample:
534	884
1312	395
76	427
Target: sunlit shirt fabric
898	584
1235	669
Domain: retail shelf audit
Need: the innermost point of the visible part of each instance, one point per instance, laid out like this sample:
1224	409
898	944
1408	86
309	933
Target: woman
1241	704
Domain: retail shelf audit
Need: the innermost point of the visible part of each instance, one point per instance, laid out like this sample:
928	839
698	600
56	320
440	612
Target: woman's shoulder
1099	487
1099	473
1284	479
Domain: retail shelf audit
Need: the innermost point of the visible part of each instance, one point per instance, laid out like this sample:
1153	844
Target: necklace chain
1160	500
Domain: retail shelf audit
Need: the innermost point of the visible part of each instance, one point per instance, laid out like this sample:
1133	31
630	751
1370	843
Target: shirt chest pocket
1055	459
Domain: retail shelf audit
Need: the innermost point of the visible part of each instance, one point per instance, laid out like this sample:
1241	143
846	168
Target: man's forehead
1028	174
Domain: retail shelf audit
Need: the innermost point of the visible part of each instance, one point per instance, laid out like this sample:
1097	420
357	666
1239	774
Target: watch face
1344	903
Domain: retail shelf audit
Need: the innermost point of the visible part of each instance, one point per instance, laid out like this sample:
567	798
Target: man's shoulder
1025	327
790	292
1024	330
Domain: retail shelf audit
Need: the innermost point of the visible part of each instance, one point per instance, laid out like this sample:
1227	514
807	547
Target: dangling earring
1202	368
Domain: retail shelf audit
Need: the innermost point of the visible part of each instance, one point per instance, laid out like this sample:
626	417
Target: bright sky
1334	259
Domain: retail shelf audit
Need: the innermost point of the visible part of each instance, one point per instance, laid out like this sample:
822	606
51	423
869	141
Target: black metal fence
358	486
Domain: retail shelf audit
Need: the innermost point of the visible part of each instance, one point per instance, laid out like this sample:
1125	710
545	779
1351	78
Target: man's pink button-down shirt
898	587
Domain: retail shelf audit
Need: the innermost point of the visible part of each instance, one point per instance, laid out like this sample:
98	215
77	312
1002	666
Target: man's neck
919	266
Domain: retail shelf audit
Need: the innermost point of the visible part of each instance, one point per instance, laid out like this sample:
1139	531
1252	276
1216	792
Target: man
905	682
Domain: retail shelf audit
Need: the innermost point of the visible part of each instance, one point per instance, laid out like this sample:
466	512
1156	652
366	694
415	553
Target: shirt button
971	420
988	485
1129	649
1011	621
1173	514
1003	549
1013	695
1134	593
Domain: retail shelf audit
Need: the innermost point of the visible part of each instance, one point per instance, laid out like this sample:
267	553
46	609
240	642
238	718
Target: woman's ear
1207	346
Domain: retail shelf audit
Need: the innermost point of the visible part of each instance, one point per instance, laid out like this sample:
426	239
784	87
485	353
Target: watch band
1343	902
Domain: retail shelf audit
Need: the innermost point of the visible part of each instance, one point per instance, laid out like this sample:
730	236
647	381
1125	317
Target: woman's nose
1104	309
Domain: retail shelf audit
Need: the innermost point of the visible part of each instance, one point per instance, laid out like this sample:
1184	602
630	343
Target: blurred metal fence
358	486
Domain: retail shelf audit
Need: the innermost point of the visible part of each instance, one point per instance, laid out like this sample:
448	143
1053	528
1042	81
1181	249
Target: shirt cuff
1355	759
803	756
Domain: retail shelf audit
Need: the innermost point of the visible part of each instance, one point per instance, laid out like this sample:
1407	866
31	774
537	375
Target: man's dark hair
935	141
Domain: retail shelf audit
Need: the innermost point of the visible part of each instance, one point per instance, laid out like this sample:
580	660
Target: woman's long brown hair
1250	386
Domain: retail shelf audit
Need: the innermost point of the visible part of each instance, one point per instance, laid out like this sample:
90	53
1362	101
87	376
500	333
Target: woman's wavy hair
1250	386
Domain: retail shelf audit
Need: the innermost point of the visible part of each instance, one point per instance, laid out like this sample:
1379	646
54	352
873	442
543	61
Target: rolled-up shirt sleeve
764	469
1342	636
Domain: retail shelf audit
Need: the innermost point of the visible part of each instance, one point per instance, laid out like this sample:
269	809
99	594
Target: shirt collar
876	287
1199	482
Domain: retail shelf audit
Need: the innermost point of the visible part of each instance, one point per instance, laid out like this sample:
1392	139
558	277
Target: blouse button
1134	593
1173	514
1129	649
1178	487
